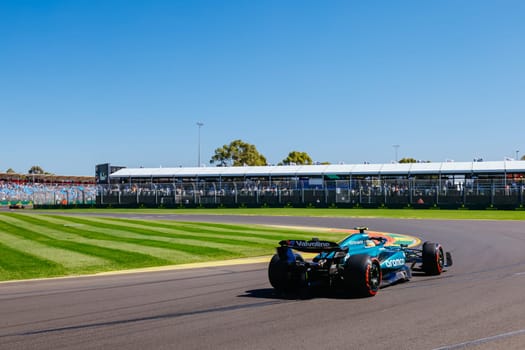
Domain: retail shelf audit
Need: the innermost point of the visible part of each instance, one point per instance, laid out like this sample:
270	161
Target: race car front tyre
433	258
362	275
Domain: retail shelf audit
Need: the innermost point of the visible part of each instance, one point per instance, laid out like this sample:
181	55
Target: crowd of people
46	193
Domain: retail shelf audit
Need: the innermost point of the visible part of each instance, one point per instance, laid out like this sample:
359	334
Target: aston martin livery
360	264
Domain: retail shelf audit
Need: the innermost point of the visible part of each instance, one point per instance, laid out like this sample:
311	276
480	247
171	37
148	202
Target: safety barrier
386	193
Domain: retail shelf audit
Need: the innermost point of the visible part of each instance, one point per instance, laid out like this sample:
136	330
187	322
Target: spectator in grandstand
46	193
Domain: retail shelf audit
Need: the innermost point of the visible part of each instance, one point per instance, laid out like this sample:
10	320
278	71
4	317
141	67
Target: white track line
482	340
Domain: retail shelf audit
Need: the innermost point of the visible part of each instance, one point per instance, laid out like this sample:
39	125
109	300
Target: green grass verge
36	244
437	214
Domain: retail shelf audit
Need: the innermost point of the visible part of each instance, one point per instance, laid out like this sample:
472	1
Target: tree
10	171
296	157
412	160
35	169
238	153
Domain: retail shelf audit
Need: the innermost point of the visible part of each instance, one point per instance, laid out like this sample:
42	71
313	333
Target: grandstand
44	189
448	184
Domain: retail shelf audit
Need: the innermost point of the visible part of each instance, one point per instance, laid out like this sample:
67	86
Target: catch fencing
392	193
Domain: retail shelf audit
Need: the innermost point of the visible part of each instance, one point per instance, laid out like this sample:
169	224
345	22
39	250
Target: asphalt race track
478	304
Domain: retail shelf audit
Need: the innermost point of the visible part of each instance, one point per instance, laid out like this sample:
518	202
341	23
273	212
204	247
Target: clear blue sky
84	82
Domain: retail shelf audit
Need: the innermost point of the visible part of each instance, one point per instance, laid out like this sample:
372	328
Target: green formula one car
359	264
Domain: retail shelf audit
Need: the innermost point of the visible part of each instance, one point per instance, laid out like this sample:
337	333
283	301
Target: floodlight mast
395	148
199	124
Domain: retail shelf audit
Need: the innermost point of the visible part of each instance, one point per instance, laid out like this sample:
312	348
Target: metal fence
488	193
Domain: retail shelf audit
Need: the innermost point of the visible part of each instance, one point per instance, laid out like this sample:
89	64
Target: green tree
35	169
10	171
296	157
412	160
238	153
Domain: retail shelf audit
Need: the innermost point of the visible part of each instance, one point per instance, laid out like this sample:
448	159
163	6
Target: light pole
395	148
199	124
517	151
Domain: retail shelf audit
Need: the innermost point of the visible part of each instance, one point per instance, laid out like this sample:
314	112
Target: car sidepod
393	265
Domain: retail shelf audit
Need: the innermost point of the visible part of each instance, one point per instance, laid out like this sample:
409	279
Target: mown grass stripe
170	256
119	258
129	243
226	229
135	231
234	250
266	236
202	231
168	231
80	231
163	253
15	264
67	258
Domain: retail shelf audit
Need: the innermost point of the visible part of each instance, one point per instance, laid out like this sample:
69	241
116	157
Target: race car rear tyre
279	273
433	258
362	275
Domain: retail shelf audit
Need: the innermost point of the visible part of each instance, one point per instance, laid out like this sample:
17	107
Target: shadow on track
299	294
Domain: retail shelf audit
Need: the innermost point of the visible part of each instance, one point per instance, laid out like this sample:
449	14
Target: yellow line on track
231	262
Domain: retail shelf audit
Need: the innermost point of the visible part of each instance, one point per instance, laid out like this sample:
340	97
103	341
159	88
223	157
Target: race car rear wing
312	246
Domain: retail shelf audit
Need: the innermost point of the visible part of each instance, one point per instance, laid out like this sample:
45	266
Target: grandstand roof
330	169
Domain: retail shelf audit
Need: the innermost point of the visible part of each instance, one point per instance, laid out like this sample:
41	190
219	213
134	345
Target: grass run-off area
39	244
